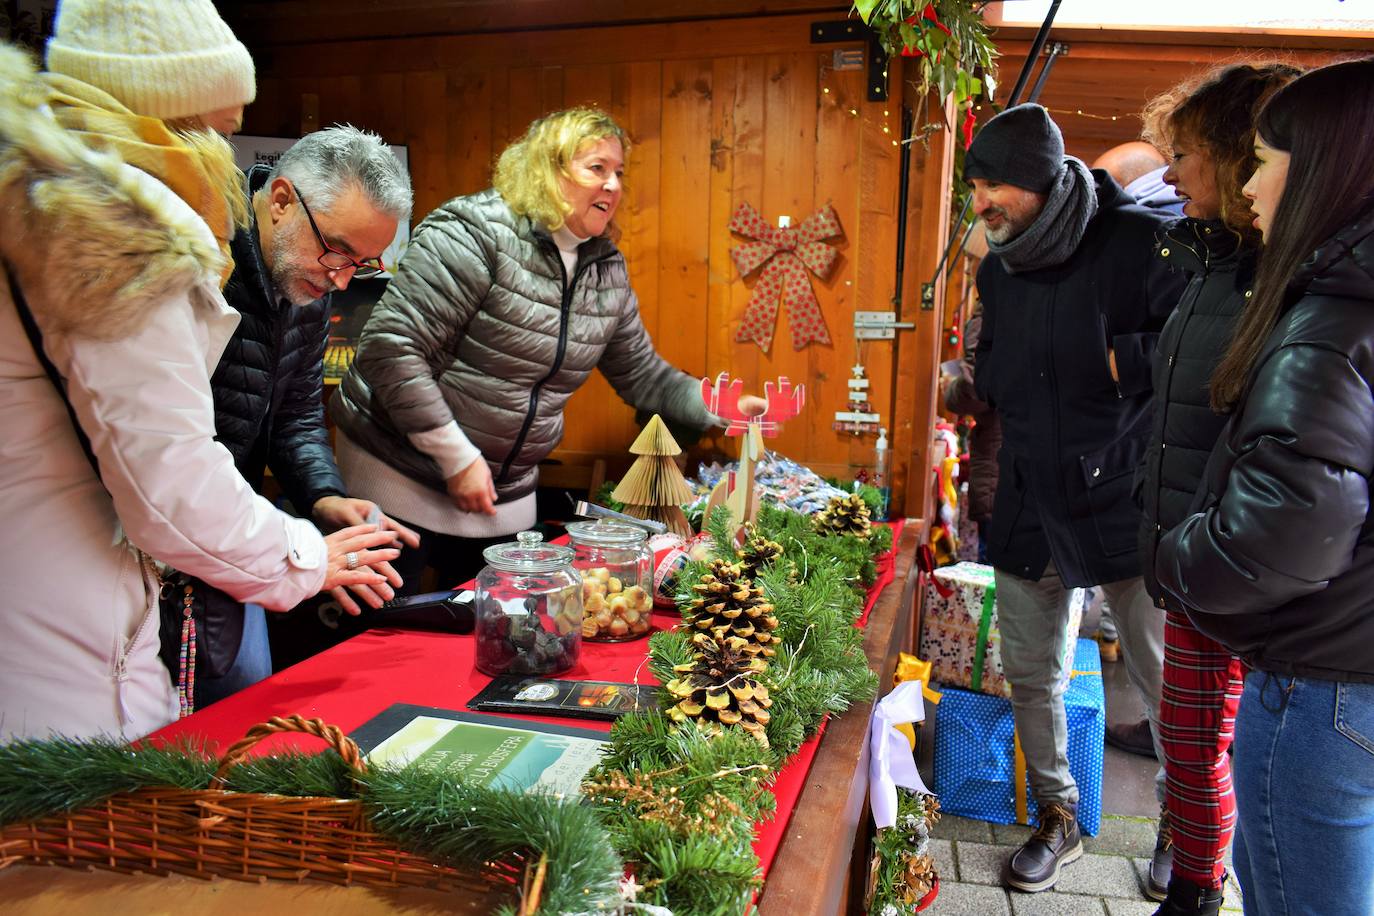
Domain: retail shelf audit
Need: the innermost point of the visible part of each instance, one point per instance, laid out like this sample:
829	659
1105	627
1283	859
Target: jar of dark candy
528	609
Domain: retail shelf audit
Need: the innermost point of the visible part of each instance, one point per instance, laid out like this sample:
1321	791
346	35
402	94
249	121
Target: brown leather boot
1055	843
1157	881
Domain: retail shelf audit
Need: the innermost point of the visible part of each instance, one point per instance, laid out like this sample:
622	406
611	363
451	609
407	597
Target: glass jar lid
528	555
607	534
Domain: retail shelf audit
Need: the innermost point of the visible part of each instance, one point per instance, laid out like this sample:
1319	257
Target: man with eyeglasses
268	386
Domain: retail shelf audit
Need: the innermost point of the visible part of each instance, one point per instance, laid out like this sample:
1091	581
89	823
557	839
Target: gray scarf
1054	236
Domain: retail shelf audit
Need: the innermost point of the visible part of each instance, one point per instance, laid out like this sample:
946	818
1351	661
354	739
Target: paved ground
1108	880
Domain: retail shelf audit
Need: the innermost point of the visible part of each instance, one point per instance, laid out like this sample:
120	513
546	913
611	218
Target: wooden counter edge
828	832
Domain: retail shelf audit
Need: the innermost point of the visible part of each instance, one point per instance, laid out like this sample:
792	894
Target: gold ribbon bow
785	256
911	668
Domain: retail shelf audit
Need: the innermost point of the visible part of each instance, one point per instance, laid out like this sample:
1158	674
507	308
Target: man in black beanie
1073	301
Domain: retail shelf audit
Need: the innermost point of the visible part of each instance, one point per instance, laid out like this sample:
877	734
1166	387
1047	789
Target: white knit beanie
160	58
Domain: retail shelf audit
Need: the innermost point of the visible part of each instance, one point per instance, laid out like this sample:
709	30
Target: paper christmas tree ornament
654	487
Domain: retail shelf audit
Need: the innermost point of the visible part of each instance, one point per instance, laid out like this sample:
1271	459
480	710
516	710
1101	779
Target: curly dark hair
1216	112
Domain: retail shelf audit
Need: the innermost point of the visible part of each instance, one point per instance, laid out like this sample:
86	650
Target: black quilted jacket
1191	345
1279	567
269	384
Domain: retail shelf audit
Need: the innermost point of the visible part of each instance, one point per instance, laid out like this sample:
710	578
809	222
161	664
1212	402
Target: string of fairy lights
834	99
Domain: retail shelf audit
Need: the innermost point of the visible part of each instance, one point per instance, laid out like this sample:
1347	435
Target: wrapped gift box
959	635
976	763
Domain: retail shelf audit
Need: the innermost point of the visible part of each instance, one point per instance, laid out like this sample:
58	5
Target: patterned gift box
977	757
959	633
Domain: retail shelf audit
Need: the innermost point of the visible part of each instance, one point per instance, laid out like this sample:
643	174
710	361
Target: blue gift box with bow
977	760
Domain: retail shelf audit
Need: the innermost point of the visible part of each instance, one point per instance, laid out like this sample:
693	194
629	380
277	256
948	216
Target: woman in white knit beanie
175	60
113	195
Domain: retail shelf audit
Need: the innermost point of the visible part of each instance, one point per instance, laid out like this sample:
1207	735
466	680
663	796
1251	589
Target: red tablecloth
357	679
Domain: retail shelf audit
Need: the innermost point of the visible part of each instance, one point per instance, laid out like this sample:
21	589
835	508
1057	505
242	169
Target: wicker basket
206	833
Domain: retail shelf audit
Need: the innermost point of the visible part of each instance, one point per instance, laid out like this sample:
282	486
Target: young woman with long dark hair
1208	127
1279	565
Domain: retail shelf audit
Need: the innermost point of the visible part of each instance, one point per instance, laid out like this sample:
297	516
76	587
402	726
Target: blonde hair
216	157
528	171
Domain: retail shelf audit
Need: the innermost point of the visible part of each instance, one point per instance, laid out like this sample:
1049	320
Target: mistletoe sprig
946	40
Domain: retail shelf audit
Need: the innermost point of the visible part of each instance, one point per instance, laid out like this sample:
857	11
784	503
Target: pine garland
906	869
417	808
675	804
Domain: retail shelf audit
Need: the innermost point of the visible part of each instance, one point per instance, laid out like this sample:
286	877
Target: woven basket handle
340	742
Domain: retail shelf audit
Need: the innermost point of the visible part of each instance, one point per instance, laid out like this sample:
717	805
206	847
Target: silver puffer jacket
480	325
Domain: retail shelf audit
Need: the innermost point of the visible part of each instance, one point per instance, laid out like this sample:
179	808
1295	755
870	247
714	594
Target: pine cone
918	874
731	605
718	687
757	552
845	515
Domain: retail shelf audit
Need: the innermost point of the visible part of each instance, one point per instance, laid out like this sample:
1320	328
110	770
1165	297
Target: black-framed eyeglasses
334	259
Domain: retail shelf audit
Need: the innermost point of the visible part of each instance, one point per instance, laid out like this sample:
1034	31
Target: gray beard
1002	234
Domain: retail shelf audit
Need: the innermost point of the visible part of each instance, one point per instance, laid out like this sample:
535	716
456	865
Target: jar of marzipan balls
616	567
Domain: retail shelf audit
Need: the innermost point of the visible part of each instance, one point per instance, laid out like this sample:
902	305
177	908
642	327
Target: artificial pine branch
468	825
53	776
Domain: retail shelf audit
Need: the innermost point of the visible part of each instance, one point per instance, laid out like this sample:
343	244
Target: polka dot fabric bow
785	256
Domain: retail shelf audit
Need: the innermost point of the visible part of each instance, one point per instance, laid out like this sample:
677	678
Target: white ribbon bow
890	762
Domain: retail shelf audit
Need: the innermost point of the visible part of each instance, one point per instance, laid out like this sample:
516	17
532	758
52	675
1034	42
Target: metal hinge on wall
878	325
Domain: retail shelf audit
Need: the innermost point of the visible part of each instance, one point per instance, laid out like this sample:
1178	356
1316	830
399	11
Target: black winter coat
1071	436
1193	341
269	385
1279	567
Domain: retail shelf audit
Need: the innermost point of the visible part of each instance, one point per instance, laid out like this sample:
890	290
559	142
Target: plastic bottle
880	470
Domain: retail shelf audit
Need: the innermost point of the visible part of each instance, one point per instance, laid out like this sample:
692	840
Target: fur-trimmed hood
93	241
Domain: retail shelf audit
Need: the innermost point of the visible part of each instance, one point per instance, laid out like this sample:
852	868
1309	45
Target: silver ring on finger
351	560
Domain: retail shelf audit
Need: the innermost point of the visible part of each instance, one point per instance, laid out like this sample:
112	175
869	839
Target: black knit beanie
1021	147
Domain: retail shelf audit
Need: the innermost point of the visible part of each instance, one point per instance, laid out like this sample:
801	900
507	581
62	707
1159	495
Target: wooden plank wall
725	102
719	114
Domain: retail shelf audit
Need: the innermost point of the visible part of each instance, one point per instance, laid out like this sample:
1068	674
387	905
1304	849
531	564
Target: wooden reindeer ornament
736	489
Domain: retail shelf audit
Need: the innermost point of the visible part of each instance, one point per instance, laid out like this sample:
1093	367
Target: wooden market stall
727	102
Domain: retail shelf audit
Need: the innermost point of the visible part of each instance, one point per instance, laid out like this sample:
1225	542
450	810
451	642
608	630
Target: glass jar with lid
616	569
528	609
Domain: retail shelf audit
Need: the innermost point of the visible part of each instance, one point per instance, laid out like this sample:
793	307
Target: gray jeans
1033	619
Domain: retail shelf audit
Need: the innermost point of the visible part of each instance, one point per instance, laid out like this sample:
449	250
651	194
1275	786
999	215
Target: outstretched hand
751	405
371	574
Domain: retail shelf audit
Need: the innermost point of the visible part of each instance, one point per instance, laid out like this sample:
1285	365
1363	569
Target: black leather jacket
268	387
1185	427
1279	567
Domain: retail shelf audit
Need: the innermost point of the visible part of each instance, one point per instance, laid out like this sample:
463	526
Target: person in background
503	304
986	437
115	221
1139	168
1277	564
1207	125
1072	303
269	385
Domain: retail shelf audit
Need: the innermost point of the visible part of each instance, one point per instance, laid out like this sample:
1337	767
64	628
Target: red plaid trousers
1202	688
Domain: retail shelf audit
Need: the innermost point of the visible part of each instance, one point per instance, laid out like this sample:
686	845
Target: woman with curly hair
1208	128
1278	566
